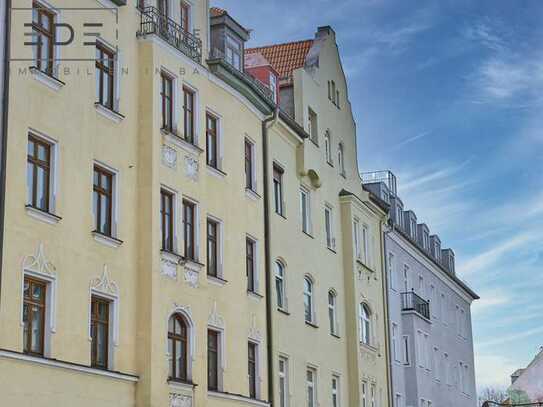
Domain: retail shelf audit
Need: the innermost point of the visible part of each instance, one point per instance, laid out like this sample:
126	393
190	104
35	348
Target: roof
217	12
285	58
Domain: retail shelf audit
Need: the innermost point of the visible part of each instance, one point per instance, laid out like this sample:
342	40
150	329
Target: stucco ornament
192	167
254	332
215	319
168	268
180	400
192	275
39	263
104	283
169	157
182	308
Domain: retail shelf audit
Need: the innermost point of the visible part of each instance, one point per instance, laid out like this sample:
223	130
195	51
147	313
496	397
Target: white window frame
395	339
311	295
196	226
254	183
365	322
117	60
372	394
341	159
220	330
328	147
406	271
366	256
176	103
196	114
190	5
336	390
185	311
57	14
356	239
406	357
256	261
329	228
284	378
258	378
220	245
364	393
273	86
279	264
313	385
307	219
332	313
229	40
175	215
398	400
115	197
436	363
391	271
112	297
313	125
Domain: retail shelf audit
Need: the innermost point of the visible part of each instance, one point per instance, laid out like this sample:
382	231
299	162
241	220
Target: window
405	346
399	216
413	227
337	99
250	264
280	285
166	95
391	273
446	368
164	7
273	86
435	360
443	308
234	52
365	324
421	286
330	241
103	201
395	350
178	342
212	145
189	229
167	219
332	312
356	237
398	401
311	387
283	382
425	240
43	29
335	391
252	358
212	248
305	210
185	14
213	359
249	166
340	162
308	300
278	189
405	278
38	174
366	245
188	114
364	394
328	147
99	332
34	304
313	126
105	76
372	395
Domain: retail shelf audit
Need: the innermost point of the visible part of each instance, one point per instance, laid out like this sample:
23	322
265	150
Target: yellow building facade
177	232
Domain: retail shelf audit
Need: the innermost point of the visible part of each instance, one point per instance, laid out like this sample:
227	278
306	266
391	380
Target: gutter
4	134
387	328
267	253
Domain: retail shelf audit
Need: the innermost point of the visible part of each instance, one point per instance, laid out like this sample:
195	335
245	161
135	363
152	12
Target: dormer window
233	52
425	240
413	228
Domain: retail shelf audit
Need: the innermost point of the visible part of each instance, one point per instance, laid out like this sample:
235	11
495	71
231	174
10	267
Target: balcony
153	22
385	177
412	302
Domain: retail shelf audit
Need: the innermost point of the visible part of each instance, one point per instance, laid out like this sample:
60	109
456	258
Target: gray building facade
431	345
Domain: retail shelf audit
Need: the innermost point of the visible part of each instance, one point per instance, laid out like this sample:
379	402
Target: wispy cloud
411	139
502	339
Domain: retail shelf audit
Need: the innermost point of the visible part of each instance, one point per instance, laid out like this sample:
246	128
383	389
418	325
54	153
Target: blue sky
449	95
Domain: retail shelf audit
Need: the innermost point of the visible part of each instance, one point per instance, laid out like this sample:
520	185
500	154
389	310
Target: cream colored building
140	243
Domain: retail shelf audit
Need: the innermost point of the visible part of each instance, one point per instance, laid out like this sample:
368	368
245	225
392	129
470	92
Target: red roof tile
216	11
285	58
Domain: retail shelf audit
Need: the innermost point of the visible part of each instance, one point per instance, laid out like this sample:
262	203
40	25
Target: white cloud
490	299
503	338
411	139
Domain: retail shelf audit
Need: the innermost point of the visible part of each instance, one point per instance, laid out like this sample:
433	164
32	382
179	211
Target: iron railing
412	302
264	90
496	404
154	22
386	177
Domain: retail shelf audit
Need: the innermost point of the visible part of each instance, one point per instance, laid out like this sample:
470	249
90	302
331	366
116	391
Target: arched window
340	162
308	300
178	343
332	312
328	146
365	324
280	285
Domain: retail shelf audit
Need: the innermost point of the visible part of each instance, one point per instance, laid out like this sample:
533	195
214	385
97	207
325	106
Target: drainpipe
4	132
387	327
266	124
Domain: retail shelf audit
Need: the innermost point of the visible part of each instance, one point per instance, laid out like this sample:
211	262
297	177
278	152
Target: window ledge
254	295
217	281
335	335
181	142
311	324
171	256
237	397
112	115
370	348
181	384
42	216
283	311
252	194
216	172
281	215
331	164
46	79
331	249
343	174
107	240
192	264
308	234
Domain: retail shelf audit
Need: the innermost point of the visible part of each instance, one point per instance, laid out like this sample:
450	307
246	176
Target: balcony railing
412	302
386	177
153	22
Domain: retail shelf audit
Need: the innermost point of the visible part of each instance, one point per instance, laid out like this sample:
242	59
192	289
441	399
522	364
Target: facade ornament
104	284
169	157
215	320
254	332
39	263
182	308
192	275
180	400
192	167
168	268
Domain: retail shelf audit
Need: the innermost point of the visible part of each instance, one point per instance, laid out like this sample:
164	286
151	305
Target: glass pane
26	326
101	338
29	182
105	87
37	330
177	327
103	311
102	225
41	188
37	292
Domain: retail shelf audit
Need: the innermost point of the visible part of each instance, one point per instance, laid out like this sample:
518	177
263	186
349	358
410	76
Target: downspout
267	252
387	327
4	134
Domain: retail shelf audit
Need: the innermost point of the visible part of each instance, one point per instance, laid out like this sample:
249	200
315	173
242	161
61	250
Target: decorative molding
180	400
215	320
42	216
47	80
39	263
105	284
183	309
192	168
192	274
238	398
168	268
254	332
169	157
107	240
115	117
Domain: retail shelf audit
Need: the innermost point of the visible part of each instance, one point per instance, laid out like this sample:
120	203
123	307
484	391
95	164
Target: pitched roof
216	11
285	58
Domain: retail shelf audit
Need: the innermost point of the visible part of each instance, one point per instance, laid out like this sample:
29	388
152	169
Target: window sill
112	115
42	216
331	249
252	194
181	142
283	311
281	215
46	79
171	256
371	348
237	397
216	281
107	240
181	384
331	164
216	172
343	174
307	234
311	324
193	264
334	335
254	295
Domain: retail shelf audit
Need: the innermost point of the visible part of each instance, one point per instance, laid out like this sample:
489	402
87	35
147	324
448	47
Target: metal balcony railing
153	22
412	302
386	177
496	404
